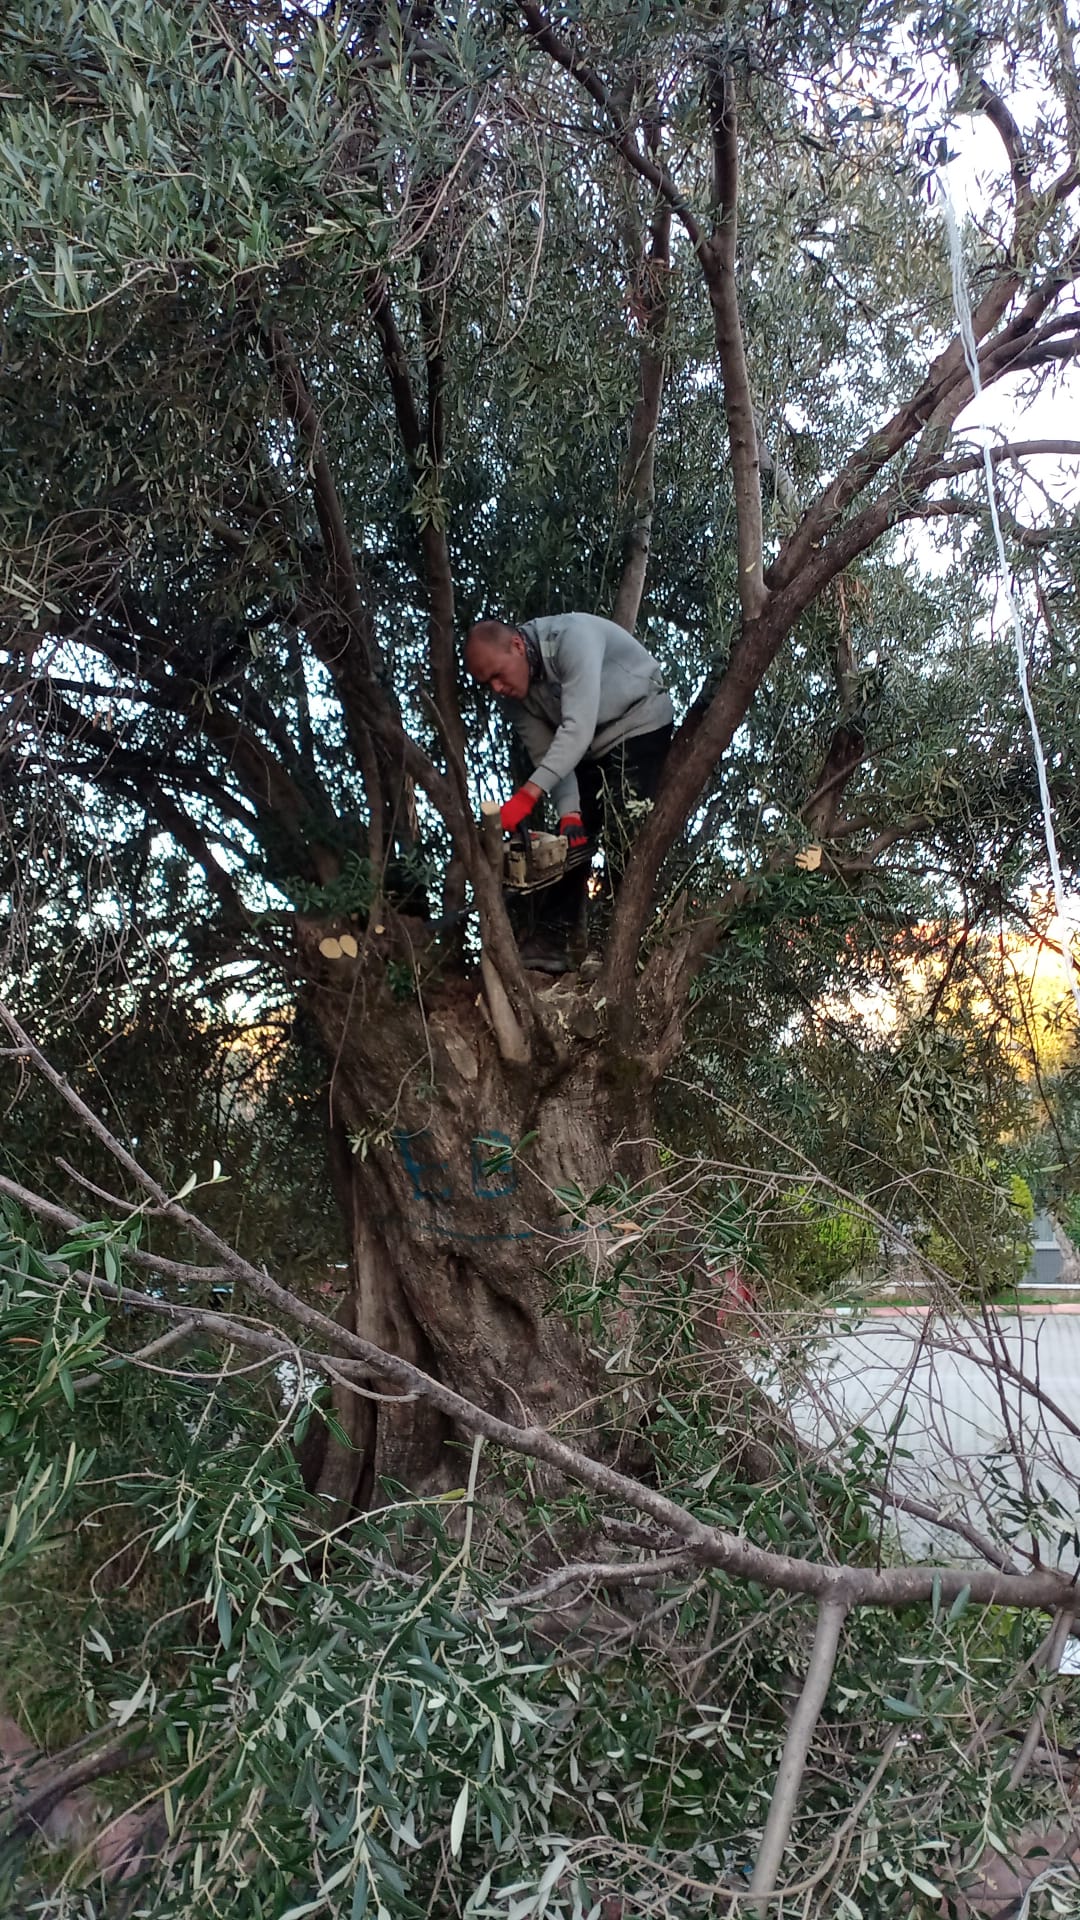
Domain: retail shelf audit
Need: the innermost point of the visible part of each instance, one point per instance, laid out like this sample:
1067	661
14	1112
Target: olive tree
326	333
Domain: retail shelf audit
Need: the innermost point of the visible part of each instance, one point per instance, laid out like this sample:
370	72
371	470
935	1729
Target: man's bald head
495	656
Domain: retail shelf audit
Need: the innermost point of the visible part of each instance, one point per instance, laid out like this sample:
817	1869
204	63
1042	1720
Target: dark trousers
612	791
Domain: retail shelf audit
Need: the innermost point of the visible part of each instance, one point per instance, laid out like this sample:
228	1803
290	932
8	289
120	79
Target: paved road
972	1431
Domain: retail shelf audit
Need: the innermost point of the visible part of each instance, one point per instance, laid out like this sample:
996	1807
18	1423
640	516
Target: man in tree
591	709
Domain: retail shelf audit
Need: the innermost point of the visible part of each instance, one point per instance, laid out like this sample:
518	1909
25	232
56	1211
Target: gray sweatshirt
599	686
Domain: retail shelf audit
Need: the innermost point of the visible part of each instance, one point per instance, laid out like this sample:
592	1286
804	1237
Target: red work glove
573	826
516	809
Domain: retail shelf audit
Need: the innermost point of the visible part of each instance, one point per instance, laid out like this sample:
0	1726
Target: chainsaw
535	860
528	861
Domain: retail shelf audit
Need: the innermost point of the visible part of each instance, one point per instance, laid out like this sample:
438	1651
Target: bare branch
718	264
32	1807
1060	350
625	1573
830	1621
1002	121
639	467
946	1523
866	860
1032	537
174	1337
1012	450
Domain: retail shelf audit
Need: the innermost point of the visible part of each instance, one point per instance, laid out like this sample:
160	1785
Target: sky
973	182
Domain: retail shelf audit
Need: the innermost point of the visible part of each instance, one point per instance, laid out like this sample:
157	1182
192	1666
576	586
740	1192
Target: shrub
813	1245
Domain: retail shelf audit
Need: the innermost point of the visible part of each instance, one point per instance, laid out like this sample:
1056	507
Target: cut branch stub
491	828
509	1035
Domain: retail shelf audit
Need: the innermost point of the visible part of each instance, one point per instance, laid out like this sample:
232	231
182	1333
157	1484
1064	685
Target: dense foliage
395	1719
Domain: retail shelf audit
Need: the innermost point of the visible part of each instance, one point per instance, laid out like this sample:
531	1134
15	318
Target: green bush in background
813	1245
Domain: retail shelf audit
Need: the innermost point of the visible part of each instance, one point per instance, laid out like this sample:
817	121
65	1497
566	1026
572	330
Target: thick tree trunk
458	1185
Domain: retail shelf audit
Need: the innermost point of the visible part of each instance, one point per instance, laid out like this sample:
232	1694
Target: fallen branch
707	1545
830	1621
48	1795
32	1807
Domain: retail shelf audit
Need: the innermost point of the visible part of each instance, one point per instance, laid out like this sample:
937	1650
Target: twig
613	1572
1052	1651
470	1509
174	1337
90	1186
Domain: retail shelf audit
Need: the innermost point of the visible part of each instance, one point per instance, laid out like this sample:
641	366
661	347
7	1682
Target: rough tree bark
457	1186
